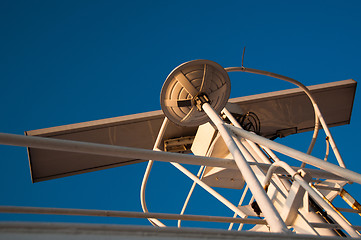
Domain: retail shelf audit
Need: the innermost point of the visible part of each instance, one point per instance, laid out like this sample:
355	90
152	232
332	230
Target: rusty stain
350	200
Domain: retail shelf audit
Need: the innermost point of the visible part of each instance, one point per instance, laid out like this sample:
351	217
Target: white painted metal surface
340	171
290	201
272	216
40	231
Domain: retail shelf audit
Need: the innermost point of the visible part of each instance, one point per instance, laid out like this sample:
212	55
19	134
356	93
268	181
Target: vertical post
273	218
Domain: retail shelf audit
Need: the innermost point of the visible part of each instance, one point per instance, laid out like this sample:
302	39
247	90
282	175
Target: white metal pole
136	153
339	219
239	204
209	189
253	146
118	151
111	150
185	172
125	214
318	115
273	218
156	147
342	172
199	175
283	184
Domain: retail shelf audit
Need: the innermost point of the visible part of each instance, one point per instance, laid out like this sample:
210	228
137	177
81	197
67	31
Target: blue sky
65	62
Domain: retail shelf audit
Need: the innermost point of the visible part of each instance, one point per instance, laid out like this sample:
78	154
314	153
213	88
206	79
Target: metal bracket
199	100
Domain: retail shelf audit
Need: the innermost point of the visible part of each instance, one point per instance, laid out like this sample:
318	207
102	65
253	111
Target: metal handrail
137	153
318	115
126	214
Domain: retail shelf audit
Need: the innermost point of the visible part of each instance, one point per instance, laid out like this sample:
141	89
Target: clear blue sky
65	62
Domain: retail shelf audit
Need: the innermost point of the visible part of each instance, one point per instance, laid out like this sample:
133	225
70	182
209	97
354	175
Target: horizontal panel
287	111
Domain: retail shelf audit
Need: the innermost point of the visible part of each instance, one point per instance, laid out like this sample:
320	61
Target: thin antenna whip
244	50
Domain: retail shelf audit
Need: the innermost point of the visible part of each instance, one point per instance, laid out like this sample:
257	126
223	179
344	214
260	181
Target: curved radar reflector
185	83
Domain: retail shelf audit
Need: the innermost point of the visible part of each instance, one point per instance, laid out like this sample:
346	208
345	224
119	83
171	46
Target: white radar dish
189	81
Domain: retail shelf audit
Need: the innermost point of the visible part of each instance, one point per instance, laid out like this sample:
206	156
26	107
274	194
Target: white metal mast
228	143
